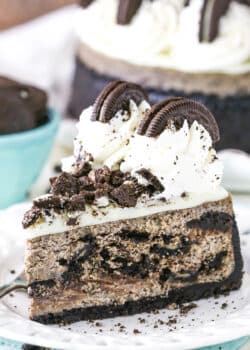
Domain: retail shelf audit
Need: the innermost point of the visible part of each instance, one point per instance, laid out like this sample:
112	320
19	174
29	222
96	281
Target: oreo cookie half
176	110
211	13
85	3
126	10
115	97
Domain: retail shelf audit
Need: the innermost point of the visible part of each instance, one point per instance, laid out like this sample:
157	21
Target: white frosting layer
104	140
164	33
183	160
95	215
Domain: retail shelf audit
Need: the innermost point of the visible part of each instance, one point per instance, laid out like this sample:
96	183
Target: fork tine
10	288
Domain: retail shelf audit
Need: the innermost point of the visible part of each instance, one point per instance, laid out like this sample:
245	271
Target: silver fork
17	284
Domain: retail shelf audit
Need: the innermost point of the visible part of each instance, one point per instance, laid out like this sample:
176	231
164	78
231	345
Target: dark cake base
232	112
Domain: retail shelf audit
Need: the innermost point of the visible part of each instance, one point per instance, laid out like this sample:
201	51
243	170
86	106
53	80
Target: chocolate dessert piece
22	107
138	234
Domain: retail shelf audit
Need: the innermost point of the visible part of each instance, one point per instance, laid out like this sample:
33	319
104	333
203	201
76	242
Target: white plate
209	323
236	170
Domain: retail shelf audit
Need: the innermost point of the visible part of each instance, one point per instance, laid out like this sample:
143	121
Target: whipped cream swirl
183	160
164	33
105	141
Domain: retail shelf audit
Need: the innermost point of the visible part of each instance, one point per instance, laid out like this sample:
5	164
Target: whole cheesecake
138	219
197	49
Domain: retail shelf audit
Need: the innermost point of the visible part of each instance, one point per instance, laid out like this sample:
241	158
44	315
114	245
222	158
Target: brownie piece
22	107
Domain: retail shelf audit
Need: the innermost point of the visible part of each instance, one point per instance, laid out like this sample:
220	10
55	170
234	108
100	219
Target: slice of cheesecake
138	219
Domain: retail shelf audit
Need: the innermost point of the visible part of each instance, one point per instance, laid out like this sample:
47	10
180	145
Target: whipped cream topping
183	160
164	33
105	141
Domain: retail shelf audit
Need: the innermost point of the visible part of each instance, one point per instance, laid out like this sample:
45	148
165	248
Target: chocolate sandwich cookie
115	97
176	110
232	114
126	10
23	107
85	3
211	14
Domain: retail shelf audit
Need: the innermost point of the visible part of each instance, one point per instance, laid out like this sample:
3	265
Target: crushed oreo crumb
224	306
50	202
152	180
72	192
117	178
77	202
101	175
72	222
184	309
65	184
31	217
125	195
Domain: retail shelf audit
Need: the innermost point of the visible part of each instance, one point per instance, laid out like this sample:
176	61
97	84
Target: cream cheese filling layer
93	215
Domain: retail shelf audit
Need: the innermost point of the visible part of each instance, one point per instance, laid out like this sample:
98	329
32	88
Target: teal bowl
22	157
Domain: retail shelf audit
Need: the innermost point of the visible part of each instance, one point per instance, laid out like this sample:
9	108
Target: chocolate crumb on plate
224	306
136	331
184	309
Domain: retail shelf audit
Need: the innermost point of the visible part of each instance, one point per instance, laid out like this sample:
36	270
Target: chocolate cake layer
134	265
